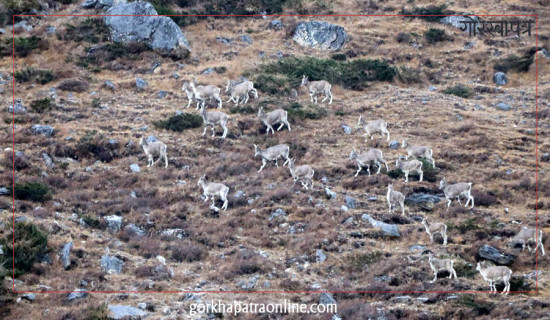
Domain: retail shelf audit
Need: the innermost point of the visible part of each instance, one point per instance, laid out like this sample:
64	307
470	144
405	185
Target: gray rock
335	317
350	202
347	129
432	88
417	247
246	38
276	25
320	34
455	21
422	200
77	294
134	167
141	84
50	29
545	53
250	284
162	94
491	253
178	233
277	213
124	312
160	32
469	45
22	24
224	40
207	71
110	85
500	78
326	299
239	194
97	4
114	223
17	108
4	191
331	194
394	144
21	219
29	296
503	106
47	160
134	230
43	130
2	31
111	264
65	255
320	256
402	298
389	230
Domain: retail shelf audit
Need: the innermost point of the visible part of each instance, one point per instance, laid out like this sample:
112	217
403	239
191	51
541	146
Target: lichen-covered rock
321	35
161	33
125	312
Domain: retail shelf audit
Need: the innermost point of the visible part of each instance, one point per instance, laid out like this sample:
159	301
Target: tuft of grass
409	75
459	90
358	262
23	46
73	85
41	105
33	191
31	74
296	111
30	246
180	122
91	30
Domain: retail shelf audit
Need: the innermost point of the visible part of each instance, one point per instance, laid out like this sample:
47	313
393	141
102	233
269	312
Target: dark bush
20	162
459	90
478	306
180	122
358	262
41	105
339	57
296	111
431	13
409	75
484	199
92	30
38	76
23	46
33	191
73	85
97	146
515	63
188	252
30	246
403	37
243	110
434	35
95	57
465	269
16	7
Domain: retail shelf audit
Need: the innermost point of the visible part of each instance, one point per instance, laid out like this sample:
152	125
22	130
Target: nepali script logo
497	27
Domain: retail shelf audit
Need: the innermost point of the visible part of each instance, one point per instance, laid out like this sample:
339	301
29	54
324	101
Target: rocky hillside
93	220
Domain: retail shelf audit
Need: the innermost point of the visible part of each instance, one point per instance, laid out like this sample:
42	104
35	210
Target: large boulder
321	35
65	255
117	311
161	33
387	229
491	253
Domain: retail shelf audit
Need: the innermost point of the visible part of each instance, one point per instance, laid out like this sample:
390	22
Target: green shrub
16	7
464	269
430	13
95	145
23	46
38	76
96	57
33	191
478	306
287	73
242	109
30	246
434	35
41	105
459	90
180	122
296	111
358	262
514	63
403	37
339	57
96	102
92	30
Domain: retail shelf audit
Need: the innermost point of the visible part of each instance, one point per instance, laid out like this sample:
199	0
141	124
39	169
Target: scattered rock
17	108
4	191
111	264
432	88
276	25
331	194
47	160
320	34
350	202
503	106
320	256
110	85
134	230
389	230
469	45
134	167
246	38
491	253
455	21
422	200
224	40
65	255
207	71
114	223
124	312
141	24
43	130
347	129
277	213
402	298
500	78
326	299
97	4
394	144
417	247
141	84
250	284
162	94
77	294
50	29
29	296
